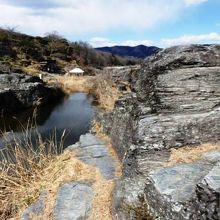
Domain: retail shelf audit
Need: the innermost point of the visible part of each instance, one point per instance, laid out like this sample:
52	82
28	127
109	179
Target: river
73	115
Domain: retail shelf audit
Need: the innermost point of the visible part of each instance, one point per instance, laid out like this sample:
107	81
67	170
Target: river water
73	115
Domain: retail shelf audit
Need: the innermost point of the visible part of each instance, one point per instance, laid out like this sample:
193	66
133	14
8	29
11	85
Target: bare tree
56	41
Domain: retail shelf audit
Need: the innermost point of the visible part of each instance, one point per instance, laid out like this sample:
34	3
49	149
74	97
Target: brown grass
32	69
44	170
22	173
70	169
190	154
103	89
21	187
102	201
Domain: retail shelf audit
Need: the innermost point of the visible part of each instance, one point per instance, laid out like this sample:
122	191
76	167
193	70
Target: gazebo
76	71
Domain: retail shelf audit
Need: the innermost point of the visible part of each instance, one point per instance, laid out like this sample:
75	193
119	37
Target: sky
162	23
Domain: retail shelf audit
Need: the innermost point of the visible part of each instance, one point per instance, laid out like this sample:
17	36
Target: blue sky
117	22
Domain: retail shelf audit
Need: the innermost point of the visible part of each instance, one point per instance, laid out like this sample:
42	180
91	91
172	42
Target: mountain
140	51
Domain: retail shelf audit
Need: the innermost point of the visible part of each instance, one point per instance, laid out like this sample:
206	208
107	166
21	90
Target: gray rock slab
74	202
36	209
212	156
213	178
93	151
176	130
178	183
89	140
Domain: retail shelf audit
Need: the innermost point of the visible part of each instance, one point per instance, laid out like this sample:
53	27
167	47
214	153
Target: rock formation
175	103
18	91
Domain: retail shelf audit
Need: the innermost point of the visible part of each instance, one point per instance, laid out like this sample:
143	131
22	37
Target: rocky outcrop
18	91
4	68
185	191
175	102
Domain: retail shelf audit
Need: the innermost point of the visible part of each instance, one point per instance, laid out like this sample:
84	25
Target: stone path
93	151
74	199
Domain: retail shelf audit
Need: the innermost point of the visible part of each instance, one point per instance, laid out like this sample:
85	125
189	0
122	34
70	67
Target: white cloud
194	2
137	42
167	42
80	17
192	39
101	42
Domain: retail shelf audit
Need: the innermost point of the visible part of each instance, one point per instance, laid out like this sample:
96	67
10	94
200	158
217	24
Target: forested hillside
25	53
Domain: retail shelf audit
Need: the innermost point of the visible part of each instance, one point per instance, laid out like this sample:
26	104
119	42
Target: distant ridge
140	51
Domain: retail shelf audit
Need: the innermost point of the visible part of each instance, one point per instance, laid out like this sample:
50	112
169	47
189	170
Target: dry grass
98	130
103	89
102	201
70	169
20	186
22	173
190	154
32	69
34	172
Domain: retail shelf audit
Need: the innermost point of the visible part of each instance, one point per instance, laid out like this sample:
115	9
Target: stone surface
74	201
19	91
176	130
175	101
184	191
35	210
93	151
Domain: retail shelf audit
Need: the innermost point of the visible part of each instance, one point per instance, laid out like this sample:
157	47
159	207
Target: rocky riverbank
166	131
18	91
175	103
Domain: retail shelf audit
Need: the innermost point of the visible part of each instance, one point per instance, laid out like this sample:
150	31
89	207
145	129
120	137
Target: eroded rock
175	102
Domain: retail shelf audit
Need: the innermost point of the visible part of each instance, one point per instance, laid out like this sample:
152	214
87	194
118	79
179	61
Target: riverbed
72	115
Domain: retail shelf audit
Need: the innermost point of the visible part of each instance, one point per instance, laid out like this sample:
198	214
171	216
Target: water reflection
73	115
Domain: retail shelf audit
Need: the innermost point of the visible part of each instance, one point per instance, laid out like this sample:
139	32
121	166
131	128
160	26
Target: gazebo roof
76	70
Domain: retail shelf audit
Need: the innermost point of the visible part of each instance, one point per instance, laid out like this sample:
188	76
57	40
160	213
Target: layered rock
176	102
121	75
19	91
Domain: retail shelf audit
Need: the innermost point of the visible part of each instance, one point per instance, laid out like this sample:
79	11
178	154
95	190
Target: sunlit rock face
175	102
